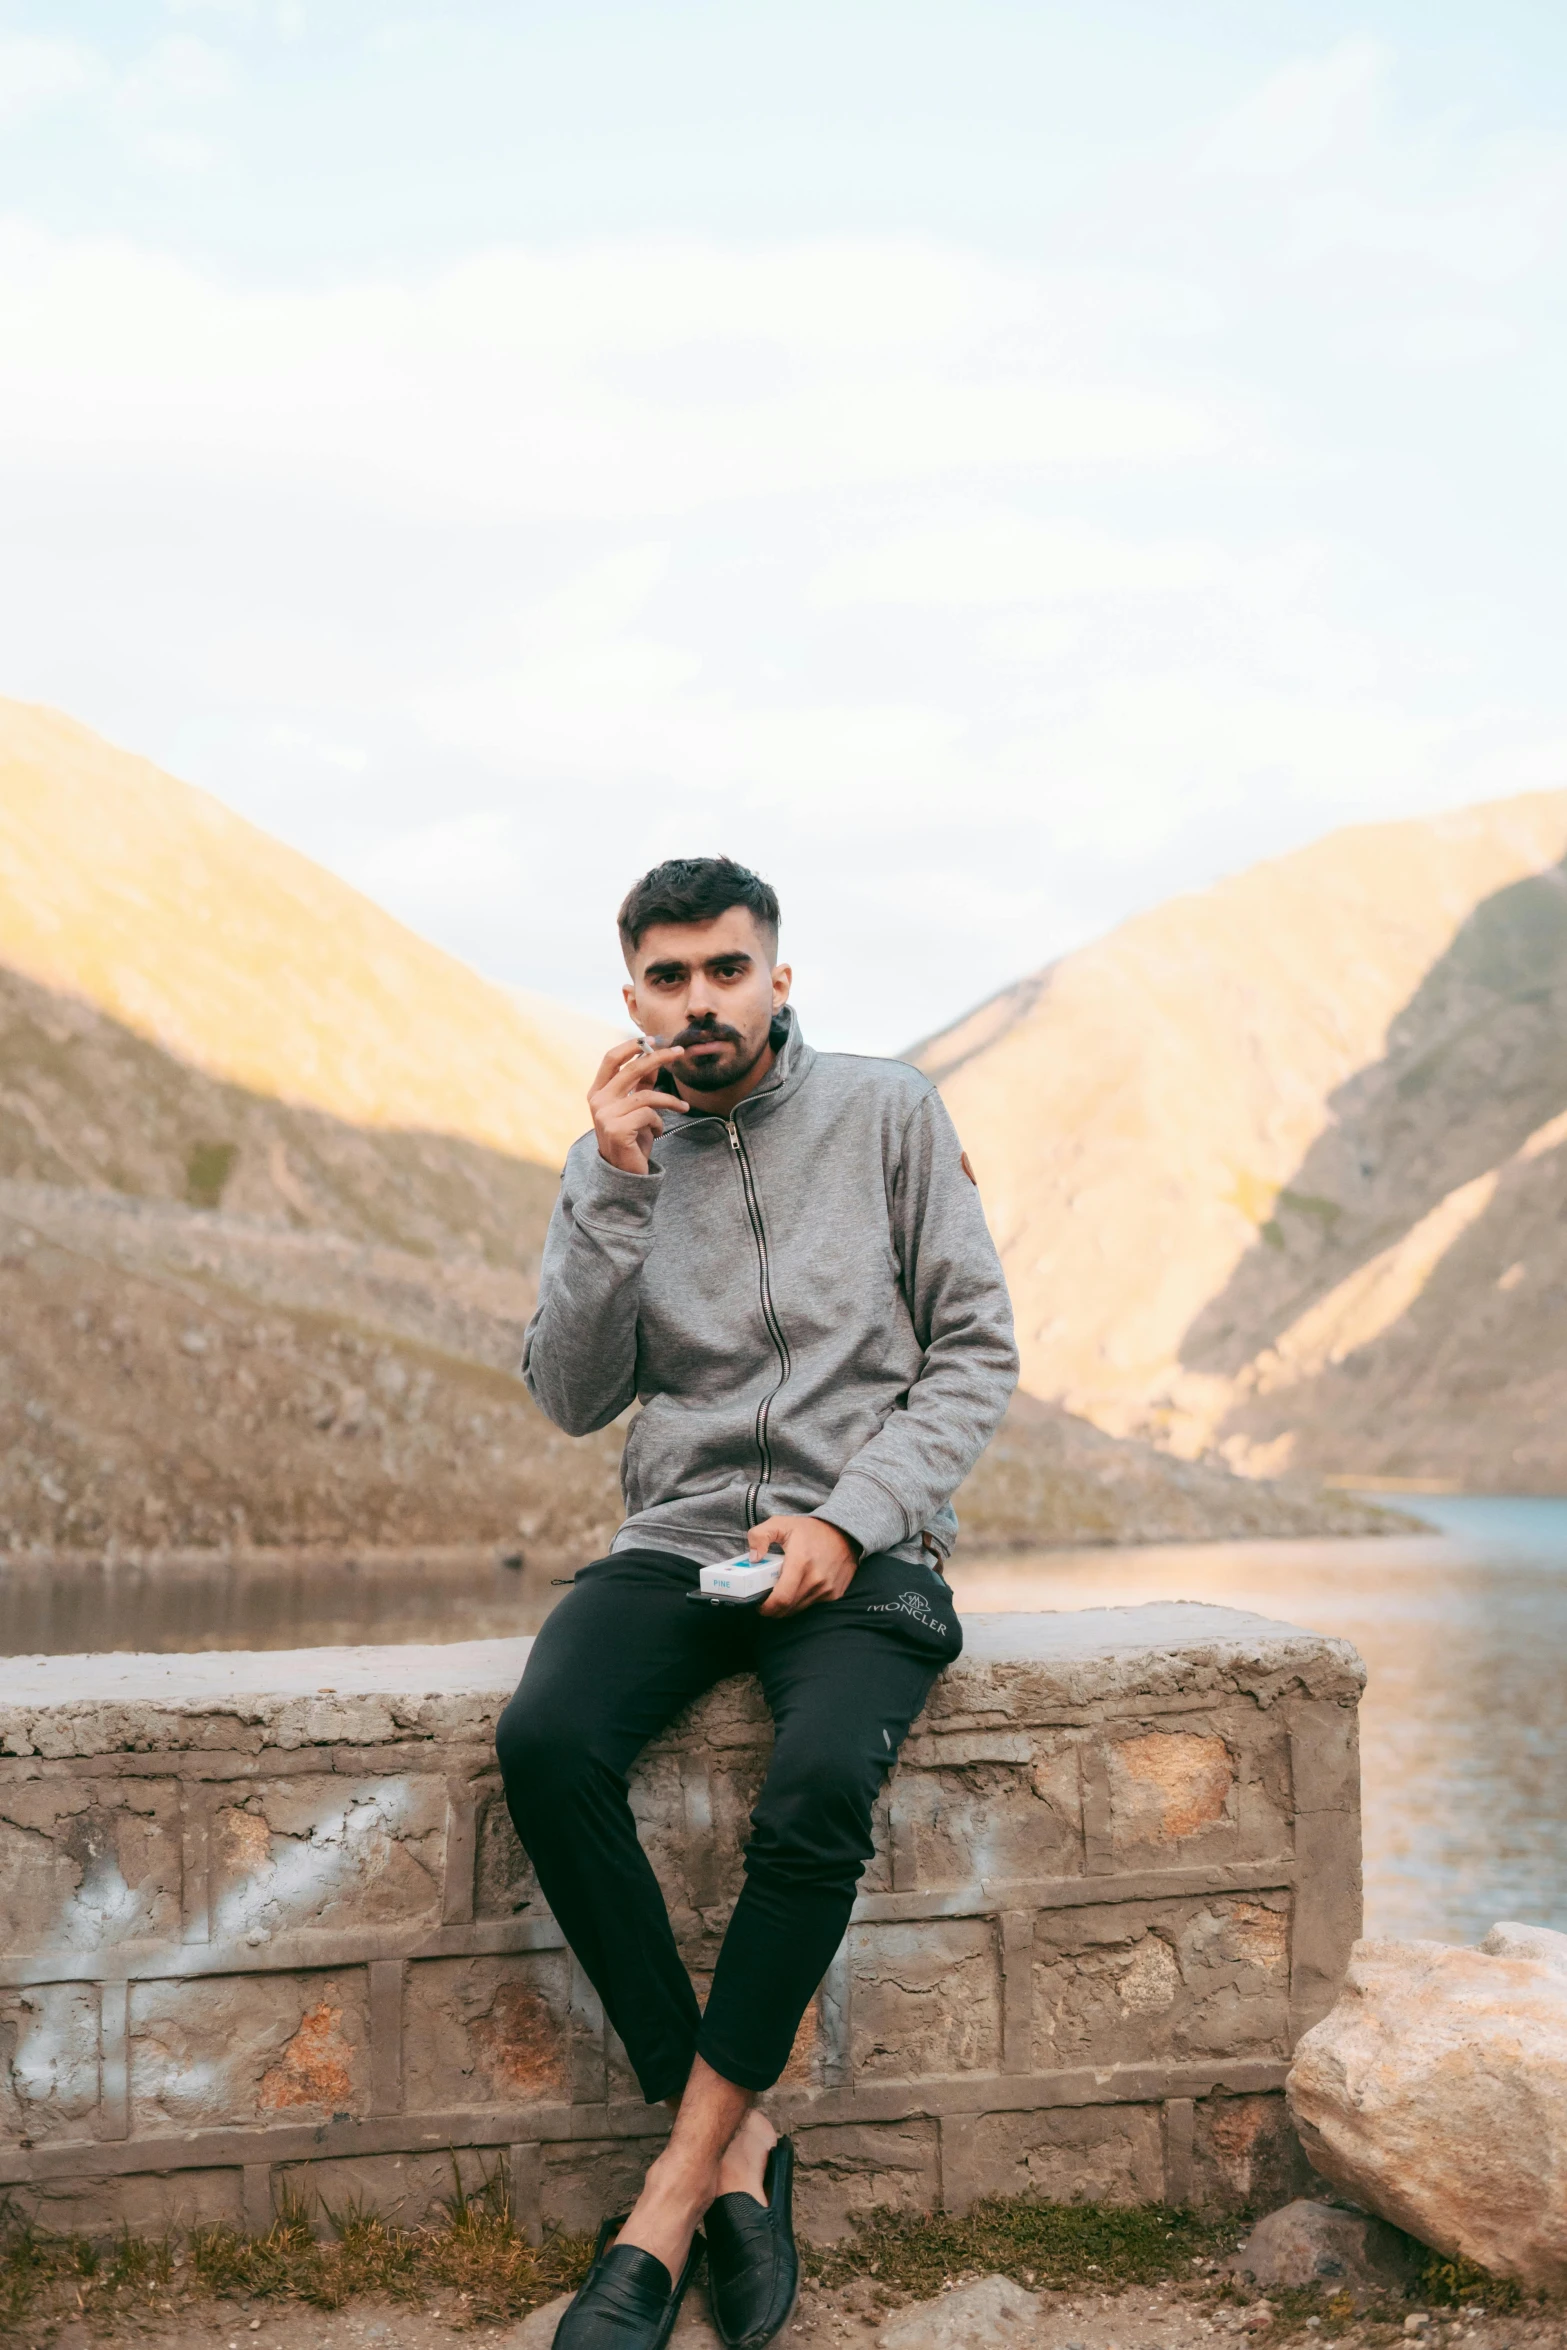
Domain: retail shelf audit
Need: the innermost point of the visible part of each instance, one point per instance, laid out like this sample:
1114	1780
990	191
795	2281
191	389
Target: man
779	1254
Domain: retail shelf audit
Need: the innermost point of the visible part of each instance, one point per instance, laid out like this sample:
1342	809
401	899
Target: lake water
1463	1730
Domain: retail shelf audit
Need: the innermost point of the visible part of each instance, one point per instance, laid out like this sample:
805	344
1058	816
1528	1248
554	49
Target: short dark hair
695	889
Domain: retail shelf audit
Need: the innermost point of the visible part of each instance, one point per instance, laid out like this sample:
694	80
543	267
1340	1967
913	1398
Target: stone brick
659	1806
1071	2154
993	1806
804	2068
1211	1789
49	2061
924	1998
407	2189
1325	1757
809	2054
877	1877
1245	2154
248	2048
1167	1786
149	2203
1122	1983
586	2181
87	1863
487	2031
731	1718
693	1813
504	1883
850	2168
327	1852
620	2082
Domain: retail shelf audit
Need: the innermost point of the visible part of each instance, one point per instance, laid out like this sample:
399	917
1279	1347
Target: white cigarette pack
739	1579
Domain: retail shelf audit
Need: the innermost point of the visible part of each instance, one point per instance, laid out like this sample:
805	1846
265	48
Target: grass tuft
1463	2284
473	2259
1040	2245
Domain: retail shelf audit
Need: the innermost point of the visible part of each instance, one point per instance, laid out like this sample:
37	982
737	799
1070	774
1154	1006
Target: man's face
713	987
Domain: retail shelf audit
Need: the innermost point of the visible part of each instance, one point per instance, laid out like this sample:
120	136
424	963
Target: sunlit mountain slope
153	902
1283	1165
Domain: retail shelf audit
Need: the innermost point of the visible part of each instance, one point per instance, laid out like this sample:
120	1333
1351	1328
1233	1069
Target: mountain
151	901
1281	1168
274	1178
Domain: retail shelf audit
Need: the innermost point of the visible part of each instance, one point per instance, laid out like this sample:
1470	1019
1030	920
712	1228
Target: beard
726	1058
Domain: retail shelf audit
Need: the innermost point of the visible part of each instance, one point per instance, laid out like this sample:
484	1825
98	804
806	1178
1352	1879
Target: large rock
1435	2093
1306	2243
694	2328
992	2314
537	2330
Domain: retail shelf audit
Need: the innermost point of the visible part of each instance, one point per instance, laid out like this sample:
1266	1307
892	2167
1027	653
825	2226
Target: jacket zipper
769	1316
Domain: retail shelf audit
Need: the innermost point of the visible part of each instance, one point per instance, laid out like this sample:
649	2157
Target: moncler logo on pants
909	1603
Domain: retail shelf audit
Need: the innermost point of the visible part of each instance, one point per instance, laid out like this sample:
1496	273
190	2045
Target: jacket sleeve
957	1294
579	1352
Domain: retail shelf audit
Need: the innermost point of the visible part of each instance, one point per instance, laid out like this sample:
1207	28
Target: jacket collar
792	1060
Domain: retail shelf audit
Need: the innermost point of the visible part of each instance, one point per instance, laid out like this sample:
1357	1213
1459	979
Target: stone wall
265	1924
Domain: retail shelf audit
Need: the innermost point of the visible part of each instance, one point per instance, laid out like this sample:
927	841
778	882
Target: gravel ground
1137	2318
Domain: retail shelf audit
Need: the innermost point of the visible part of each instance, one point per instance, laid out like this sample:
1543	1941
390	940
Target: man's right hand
628	1115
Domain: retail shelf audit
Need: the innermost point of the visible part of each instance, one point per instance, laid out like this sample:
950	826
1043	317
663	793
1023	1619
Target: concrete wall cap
1016	1666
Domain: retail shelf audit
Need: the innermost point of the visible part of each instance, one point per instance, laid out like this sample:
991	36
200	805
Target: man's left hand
819	1562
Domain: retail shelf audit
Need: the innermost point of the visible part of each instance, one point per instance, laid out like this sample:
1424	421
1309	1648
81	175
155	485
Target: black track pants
615	1662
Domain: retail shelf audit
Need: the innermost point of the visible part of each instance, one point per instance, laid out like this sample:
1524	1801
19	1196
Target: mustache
714	1034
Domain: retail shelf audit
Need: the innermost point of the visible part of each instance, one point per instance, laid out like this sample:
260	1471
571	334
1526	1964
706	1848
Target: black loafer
626	2301
753	2270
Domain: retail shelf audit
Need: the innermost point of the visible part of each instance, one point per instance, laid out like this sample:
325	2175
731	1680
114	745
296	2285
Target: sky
988	466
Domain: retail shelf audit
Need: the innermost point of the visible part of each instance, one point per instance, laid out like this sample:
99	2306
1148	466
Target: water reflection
1464	1728
190	1604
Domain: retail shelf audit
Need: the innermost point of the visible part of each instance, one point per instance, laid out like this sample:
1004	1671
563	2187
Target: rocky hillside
174	1379
176	1382
1280	1168
274	1177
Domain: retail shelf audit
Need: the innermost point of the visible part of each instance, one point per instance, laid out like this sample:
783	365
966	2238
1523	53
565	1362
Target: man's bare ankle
744	2166
674	2172
664	2220
673	2207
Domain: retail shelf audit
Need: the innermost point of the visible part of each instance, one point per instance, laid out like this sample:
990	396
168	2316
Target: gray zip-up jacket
804	1298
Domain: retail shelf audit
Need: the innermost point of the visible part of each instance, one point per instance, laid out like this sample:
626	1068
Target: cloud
36	73
1111	738
1302	113
346	758
174	76
178	71
1002	559
1355	176
517	384
1492	226
464	865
